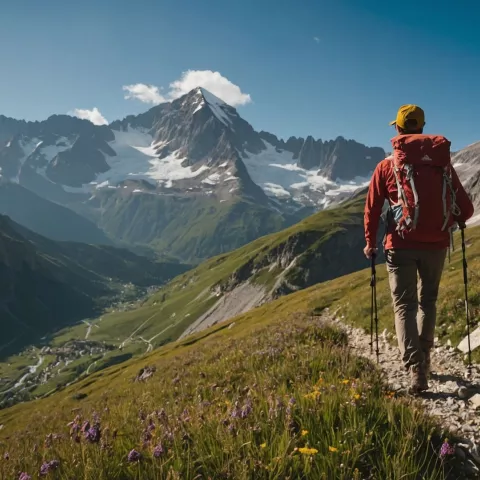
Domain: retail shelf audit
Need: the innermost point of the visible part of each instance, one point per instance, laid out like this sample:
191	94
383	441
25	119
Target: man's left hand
370	252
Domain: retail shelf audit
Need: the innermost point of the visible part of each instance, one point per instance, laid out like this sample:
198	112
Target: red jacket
383	187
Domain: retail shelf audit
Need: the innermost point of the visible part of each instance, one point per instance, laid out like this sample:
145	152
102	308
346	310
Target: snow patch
216	106
212	179
279	176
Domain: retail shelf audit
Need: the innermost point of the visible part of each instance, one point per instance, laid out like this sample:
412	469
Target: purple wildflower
151	425
236	411
48	467
447	449
246	410
6	456
185	416
24	476
134	456
158	451
146	436
93	434
85	427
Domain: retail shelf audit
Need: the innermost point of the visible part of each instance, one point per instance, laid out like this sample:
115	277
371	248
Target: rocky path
452	398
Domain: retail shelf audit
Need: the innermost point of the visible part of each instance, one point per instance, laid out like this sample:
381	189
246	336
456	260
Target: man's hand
370	252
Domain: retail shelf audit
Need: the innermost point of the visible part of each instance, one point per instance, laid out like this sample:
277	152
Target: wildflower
447	449
158	451
93	434
24	476
308	451
151	425
345	382
185	416
263	445
134	456
304	432
146	436
356	396
246	410
48	467
313	395
332	449
236	411
6	456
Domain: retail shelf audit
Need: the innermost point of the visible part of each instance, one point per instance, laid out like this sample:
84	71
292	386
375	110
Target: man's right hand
370	252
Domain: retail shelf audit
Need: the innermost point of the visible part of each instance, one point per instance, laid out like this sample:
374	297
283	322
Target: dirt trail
451	395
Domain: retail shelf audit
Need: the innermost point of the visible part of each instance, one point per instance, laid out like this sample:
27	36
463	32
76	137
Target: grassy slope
191	228
265	358
166	314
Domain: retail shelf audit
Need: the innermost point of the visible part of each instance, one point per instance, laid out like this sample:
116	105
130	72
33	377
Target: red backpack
426	198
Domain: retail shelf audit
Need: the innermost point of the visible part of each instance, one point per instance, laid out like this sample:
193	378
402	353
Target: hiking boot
419	381
427	362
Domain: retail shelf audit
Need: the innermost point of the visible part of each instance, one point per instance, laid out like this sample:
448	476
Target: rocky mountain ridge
181	177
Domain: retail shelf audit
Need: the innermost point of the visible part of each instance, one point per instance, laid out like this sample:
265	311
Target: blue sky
368	58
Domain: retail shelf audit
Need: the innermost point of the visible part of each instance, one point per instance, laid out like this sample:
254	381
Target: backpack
426	204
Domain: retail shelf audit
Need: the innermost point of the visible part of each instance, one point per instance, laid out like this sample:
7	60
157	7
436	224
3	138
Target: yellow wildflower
304	432
308	451
345	382
356	396
263	445
333	449
313	395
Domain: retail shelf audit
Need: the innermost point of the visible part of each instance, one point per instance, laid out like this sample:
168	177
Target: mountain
47	218
467	165
141	178
321	247
45	284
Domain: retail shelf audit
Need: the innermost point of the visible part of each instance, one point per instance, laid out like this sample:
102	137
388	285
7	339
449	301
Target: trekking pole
374	309
465	283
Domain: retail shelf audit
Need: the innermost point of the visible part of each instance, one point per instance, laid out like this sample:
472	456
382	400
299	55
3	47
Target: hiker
425	201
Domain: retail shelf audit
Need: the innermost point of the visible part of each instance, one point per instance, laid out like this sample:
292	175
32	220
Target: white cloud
316	39
144	93
93	115
214	82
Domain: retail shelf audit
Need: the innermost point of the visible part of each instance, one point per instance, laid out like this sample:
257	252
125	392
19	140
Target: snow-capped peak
218	107
210	97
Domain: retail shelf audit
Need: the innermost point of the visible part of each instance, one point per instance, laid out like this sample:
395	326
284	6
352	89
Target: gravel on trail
453	398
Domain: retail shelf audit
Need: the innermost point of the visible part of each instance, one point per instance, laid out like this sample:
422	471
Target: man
424	204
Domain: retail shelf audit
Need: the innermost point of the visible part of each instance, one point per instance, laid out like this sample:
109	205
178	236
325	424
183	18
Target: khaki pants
415	304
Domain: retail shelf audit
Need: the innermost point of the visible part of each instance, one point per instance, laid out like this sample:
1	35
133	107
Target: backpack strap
402	198
454	209
409	169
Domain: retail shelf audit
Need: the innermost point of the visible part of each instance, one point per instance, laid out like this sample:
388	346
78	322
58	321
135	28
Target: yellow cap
410	117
